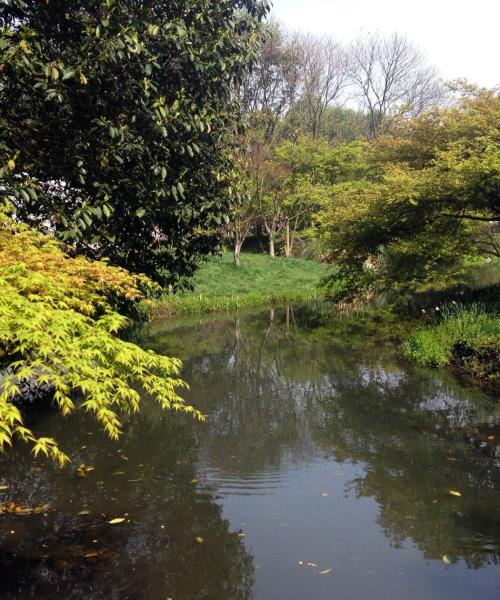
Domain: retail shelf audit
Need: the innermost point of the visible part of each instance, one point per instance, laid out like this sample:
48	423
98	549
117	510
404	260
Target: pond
323	470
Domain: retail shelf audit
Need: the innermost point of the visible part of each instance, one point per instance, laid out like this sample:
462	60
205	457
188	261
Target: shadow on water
172	542
324	470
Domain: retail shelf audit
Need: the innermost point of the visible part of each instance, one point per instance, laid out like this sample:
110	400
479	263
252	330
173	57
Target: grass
466	337
220	285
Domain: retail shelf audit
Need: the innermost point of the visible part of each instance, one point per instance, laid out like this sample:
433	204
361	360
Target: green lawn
258	274
260	279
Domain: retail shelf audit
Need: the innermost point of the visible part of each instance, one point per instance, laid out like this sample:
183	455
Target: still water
323	471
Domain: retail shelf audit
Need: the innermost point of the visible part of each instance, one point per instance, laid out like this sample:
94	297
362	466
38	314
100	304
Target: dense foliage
57	332
116	122
430	197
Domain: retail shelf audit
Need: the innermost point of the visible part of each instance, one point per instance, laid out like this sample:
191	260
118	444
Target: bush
58	329
459	331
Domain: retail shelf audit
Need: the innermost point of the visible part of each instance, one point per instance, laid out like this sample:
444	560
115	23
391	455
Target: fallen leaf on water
117	473
83	512
451	459
83	469
195	481
454	493
92	554
200	540
13	508
309	564
491	437
3	488
325	572
116	521
446	560
123	457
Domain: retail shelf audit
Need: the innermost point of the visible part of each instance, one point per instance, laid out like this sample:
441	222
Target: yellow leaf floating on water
200	540
82	470
3	488
326	572
83	512
13	508
116	521
446	560
454	493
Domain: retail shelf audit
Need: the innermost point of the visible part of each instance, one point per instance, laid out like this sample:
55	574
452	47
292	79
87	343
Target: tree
308	184
271	89
429	198
390	75
117	119
270	194
244	214
324	79
57	335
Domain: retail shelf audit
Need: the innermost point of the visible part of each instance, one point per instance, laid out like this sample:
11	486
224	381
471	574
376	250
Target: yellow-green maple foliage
58	328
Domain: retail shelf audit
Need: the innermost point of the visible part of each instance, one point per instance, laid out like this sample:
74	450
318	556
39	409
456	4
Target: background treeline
361	156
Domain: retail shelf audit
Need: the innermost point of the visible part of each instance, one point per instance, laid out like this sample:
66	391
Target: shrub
58	328
457	329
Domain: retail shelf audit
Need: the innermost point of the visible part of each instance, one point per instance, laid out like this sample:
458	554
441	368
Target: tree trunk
288	244
237	252
271	246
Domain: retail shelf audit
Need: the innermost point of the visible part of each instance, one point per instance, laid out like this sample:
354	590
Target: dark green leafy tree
116	122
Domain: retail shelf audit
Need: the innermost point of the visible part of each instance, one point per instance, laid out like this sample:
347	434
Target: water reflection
320	446
174	541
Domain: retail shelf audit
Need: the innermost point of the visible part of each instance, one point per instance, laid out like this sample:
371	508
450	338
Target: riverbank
260	280
465	338
462	335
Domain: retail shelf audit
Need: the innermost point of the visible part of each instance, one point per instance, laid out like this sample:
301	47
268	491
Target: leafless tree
390	75
272	88
324	78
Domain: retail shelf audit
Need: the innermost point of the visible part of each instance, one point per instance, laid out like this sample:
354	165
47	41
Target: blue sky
460	37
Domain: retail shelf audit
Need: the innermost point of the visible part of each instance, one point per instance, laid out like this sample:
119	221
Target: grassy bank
463	337
220	285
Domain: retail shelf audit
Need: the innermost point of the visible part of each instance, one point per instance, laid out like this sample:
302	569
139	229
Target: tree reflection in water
283	391
153	554
277	389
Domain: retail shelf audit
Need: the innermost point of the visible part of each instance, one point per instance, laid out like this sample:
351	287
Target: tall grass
453	328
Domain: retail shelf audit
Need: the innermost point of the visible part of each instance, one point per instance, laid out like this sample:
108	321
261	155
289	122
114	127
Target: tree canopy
117	121
431	198
57	333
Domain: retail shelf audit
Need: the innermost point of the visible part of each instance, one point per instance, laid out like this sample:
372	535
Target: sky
460	37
